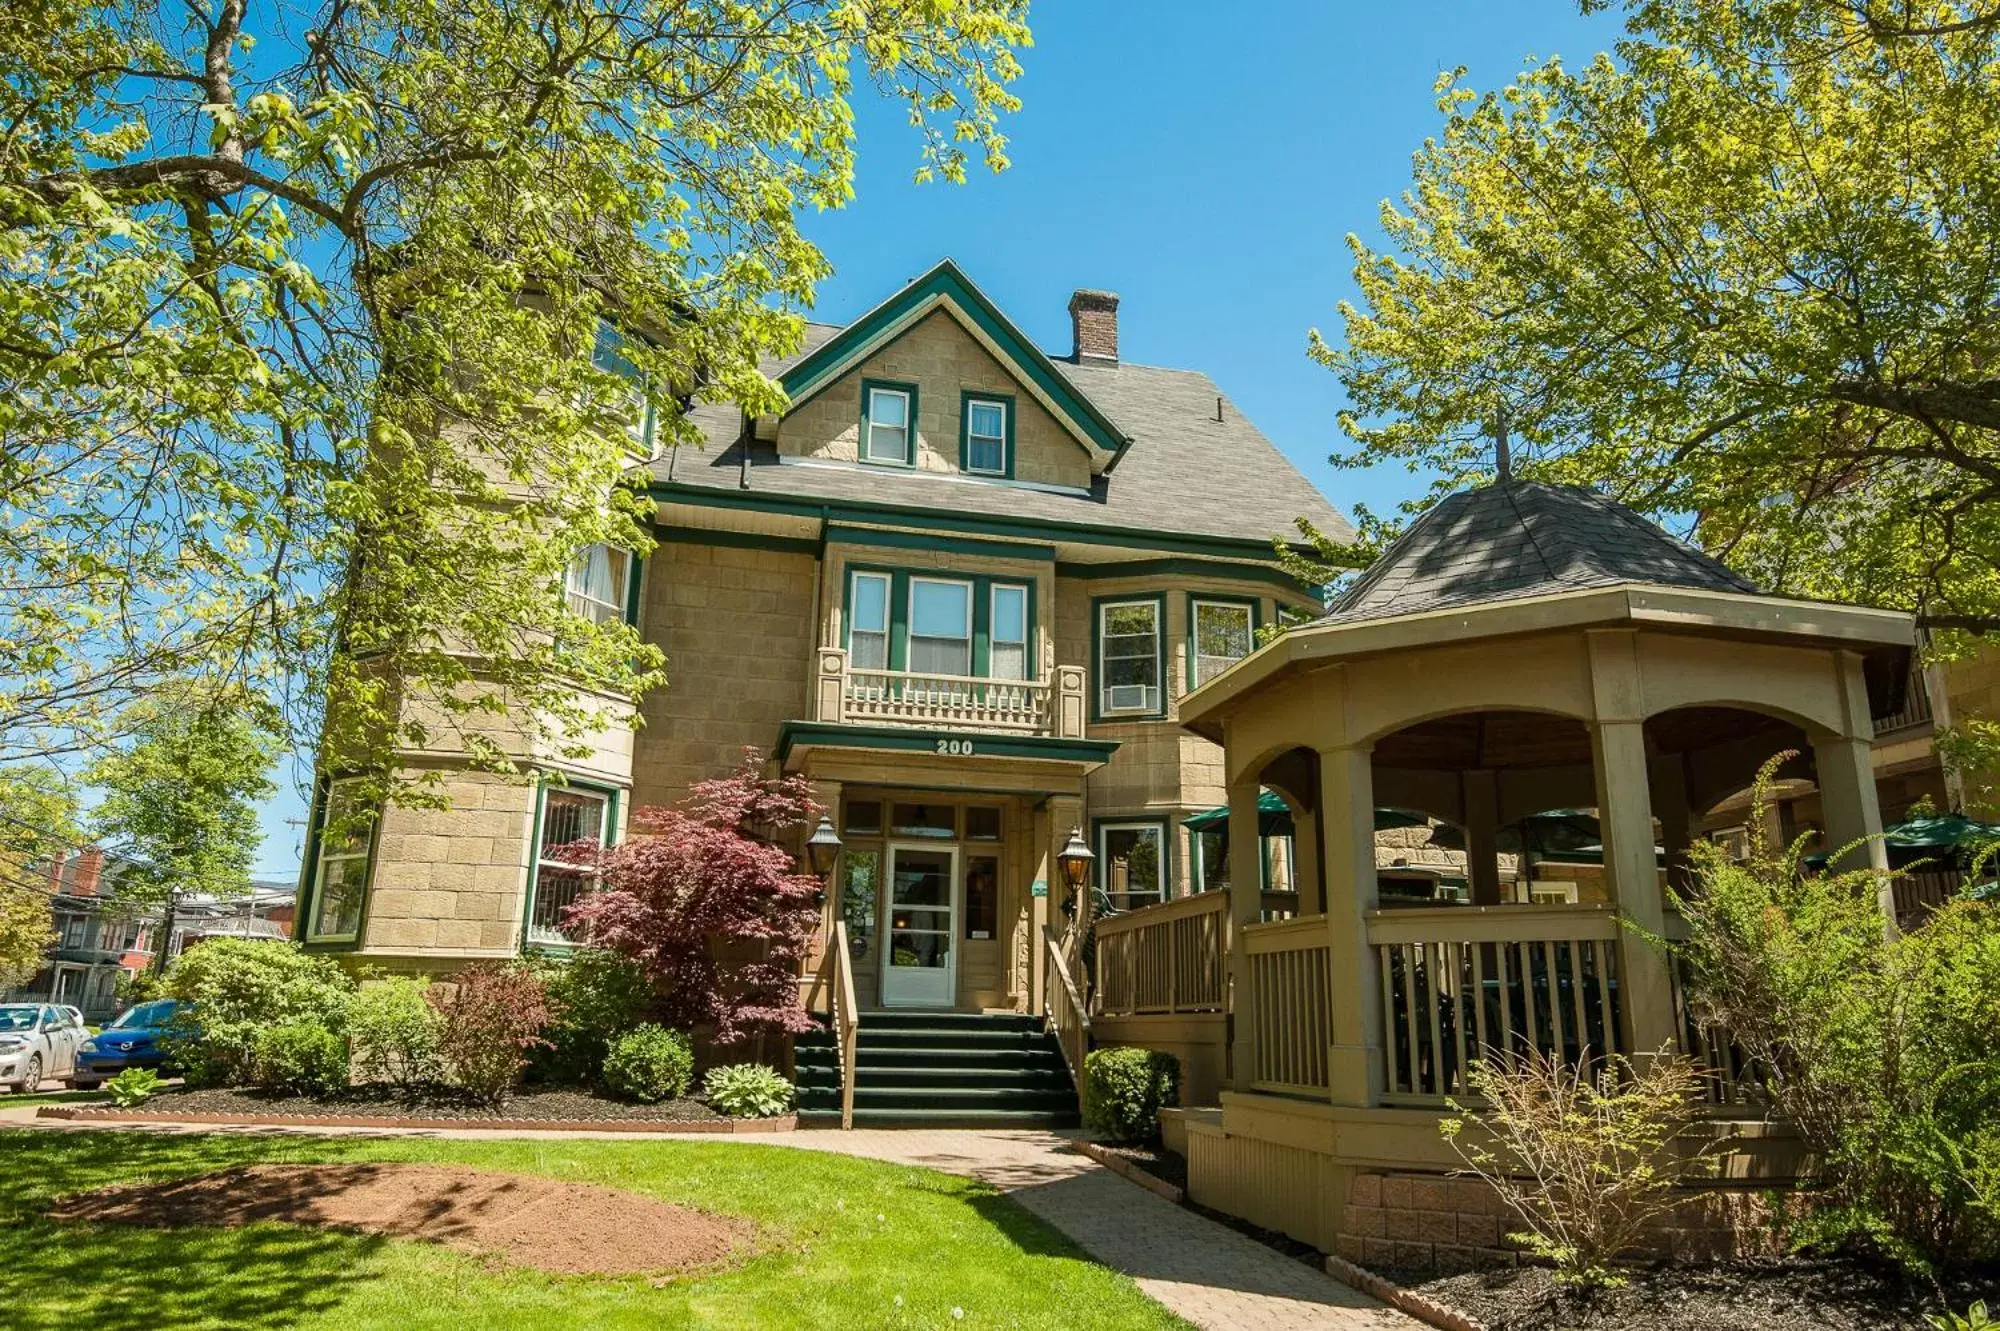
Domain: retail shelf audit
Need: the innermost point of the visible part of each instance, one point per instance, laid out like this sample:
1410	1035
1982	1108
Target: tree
717	917
301	304
38	824
181	798
1741	274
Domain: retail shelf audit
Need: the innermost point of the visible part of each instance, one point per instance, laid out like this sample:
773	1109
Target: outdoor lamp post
1075	858
822	853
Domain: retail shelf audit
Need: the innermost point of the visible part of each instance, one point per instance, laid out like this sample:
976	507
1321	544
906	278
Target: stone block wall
737	627
450	882
942	360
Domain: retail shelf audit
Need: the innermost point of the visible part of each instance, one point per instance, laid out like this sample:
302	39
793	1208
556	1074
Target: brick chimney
89	872
1093	316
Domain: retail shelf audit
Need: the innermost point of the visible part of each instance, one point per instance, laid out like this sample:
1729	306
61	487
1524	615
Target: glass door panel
919	965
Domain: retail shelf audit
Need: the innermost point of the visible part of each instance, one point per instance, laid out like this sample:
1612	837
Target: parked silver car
38	1041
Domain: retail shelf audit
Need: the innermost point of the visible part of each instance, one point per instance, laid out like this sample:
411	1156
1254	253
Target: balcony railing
1916	709
850	694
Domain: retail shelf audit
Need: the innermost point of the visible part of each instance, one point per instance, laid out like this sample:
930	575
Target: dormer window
988	423
888	429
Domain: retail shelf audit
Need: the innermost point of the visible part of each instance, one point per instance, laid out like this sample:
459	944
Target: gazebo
1523	648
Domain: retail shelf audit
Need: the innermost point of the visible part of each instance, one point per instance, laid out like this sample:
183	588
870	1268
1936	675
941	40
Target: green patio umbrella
1274	817
1947	838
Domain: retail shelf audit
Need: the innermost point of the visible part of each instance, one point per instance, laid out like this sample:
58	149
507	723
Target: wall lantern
823	850
1075	859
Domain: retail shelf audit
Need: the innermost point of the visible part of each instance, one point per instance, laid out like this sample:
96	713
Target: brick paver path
1205	1272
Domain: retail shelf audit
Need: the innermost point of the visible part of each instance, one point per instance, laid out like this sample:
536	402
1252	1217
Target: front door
919	966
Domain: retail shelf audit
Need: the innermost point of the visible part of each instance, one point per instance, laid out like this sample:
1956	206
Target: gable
946	288
944	366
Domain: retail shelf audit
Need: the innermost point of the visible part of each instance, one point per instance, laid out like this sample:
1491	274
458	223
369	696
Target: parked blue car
132	1041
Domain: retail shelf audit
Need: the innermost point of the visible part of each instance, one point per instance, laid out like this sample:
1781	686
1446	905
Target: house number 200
955	748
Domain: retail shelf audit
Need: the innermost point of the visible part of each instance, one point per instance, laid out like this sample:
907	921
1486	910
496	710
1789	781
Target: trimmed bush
395	1032
301	1058
747	1090
1124	1091
649	1064
594	996
231	989
493	1018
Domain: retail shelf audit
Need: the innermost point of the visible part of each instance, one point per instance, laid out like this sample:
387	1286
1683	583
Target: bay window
1220	633
940	627
340	873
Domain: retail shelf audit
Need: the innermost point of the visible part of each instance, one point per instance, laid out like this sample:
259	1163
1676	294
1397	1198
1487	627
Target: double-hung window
608	353
1128	656
886	426
1009	636
940	627
596	582
340	876
1222	634
569	814
986	436
868	621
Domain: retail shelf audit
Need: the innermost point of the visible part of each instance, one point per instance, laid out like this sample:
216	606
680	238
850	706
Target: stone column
1625	815
1354	989
1043	868
1246	906
1481	793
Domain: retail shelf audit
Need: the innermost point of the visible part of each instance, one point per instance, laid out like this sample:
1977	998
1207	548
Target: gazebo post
1246	907
1846	778
1481	796
1355	1073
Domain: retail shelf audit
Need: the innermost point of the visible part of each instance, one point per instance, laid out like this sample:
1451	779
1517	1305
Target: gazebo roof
1518	539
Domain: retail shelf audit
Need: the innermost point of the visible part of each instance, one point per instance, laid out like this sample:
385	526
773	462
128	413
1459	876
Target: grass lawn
845	1244
17	1101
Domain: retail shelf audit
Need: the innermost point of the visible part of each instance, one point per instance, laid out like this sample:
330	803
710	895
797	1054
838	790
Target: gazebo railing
1460	984
1164	959
1288	1005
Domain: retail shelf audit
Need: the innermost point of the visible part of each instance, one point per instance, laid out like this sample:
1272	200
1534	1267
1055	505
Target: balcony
844	694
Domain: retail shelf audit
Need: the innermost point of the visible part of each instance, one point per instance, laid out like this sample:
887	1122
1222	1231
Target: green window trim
635	577
1194	599
982	585
1005	401
1115	822
614	798
869	387
1098	604
308	913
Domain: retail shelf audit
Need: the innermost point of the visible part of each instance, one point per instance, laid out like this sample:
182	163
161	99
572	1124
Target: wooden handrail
1140	916
1067	1017
847	1020
1491	924
1168	957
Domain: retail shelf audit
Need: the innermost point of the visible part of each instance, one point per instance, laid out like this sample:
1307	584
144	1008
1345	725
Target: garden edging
1425	1310
782	1123
1119	1165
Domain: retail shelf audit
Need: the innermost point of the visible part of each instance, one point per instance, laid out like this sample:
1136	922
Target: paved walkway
1205	1272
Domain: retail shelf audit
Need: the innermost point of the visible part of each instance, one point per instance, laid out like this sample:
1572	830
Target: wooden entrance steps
940	1069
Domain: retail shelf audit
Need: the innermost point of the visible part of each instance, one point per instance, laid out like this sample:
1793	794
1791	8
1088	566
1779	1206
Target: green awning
1274	817
1945	829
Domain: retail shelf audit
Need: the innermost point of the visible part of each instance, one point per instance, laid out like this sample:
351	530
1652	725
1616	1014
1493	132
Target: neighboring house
96	937
962	585
262	914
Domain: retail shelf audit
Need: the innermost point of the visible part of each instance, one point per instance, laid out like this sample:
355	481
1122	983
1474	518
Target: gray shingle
1519	539
1184	473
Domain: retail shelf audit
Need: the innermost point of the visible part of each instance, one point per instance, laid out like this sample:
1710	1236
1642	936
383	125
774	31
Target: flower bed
378	1106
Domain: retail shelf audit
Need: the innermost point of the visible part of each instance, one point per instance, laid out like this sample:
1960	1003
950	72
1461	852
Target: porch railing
1068	1019
850	694
1462	983
832	992
1166	958
1287	1002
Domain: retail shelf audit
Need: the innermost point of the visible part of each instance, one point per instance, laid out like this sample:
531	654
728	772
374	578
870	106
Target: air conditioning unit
1129	698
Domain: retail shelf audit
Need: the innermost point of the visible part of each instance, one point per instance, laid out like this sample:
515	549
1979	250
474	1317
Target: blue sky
1203	161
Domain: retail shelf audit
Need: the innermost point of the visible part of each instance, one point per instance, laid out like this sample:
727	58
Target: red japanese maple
717	916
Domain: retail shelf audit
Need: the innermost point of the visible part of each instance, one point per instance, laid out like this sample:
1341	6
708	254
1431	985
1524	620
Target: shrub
301	1058
650	1064
1586	1160
1883	1051
718	918
1124	1091
747	1090
1976	1318
231	989
133	1087
395	1032
594	997
492	1018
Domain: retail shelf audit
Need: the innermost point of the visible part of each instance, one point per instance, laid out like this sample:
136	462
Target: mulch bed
1795	1294
548	1224
440	1107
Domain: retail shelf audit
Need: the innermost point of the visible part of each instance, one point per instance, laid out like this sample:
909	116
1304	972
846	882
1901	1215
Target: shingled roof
1185	471
1517	539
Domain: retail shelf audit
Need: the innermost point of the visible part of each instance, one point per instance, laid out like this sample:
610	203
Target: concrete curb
1124	1168
783	1123
1416	1305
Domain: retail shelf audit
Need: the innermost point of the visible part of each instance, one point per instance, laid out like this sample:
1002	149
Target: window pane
940	609
1131	857
571	815
986	455
886	445
1124	620
888	408
982	824
871	602
596	583
869	651
1222	637
982	896
864	816
1010	614
1213	848
1010	661
858	893
989	420
929	820
340	882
